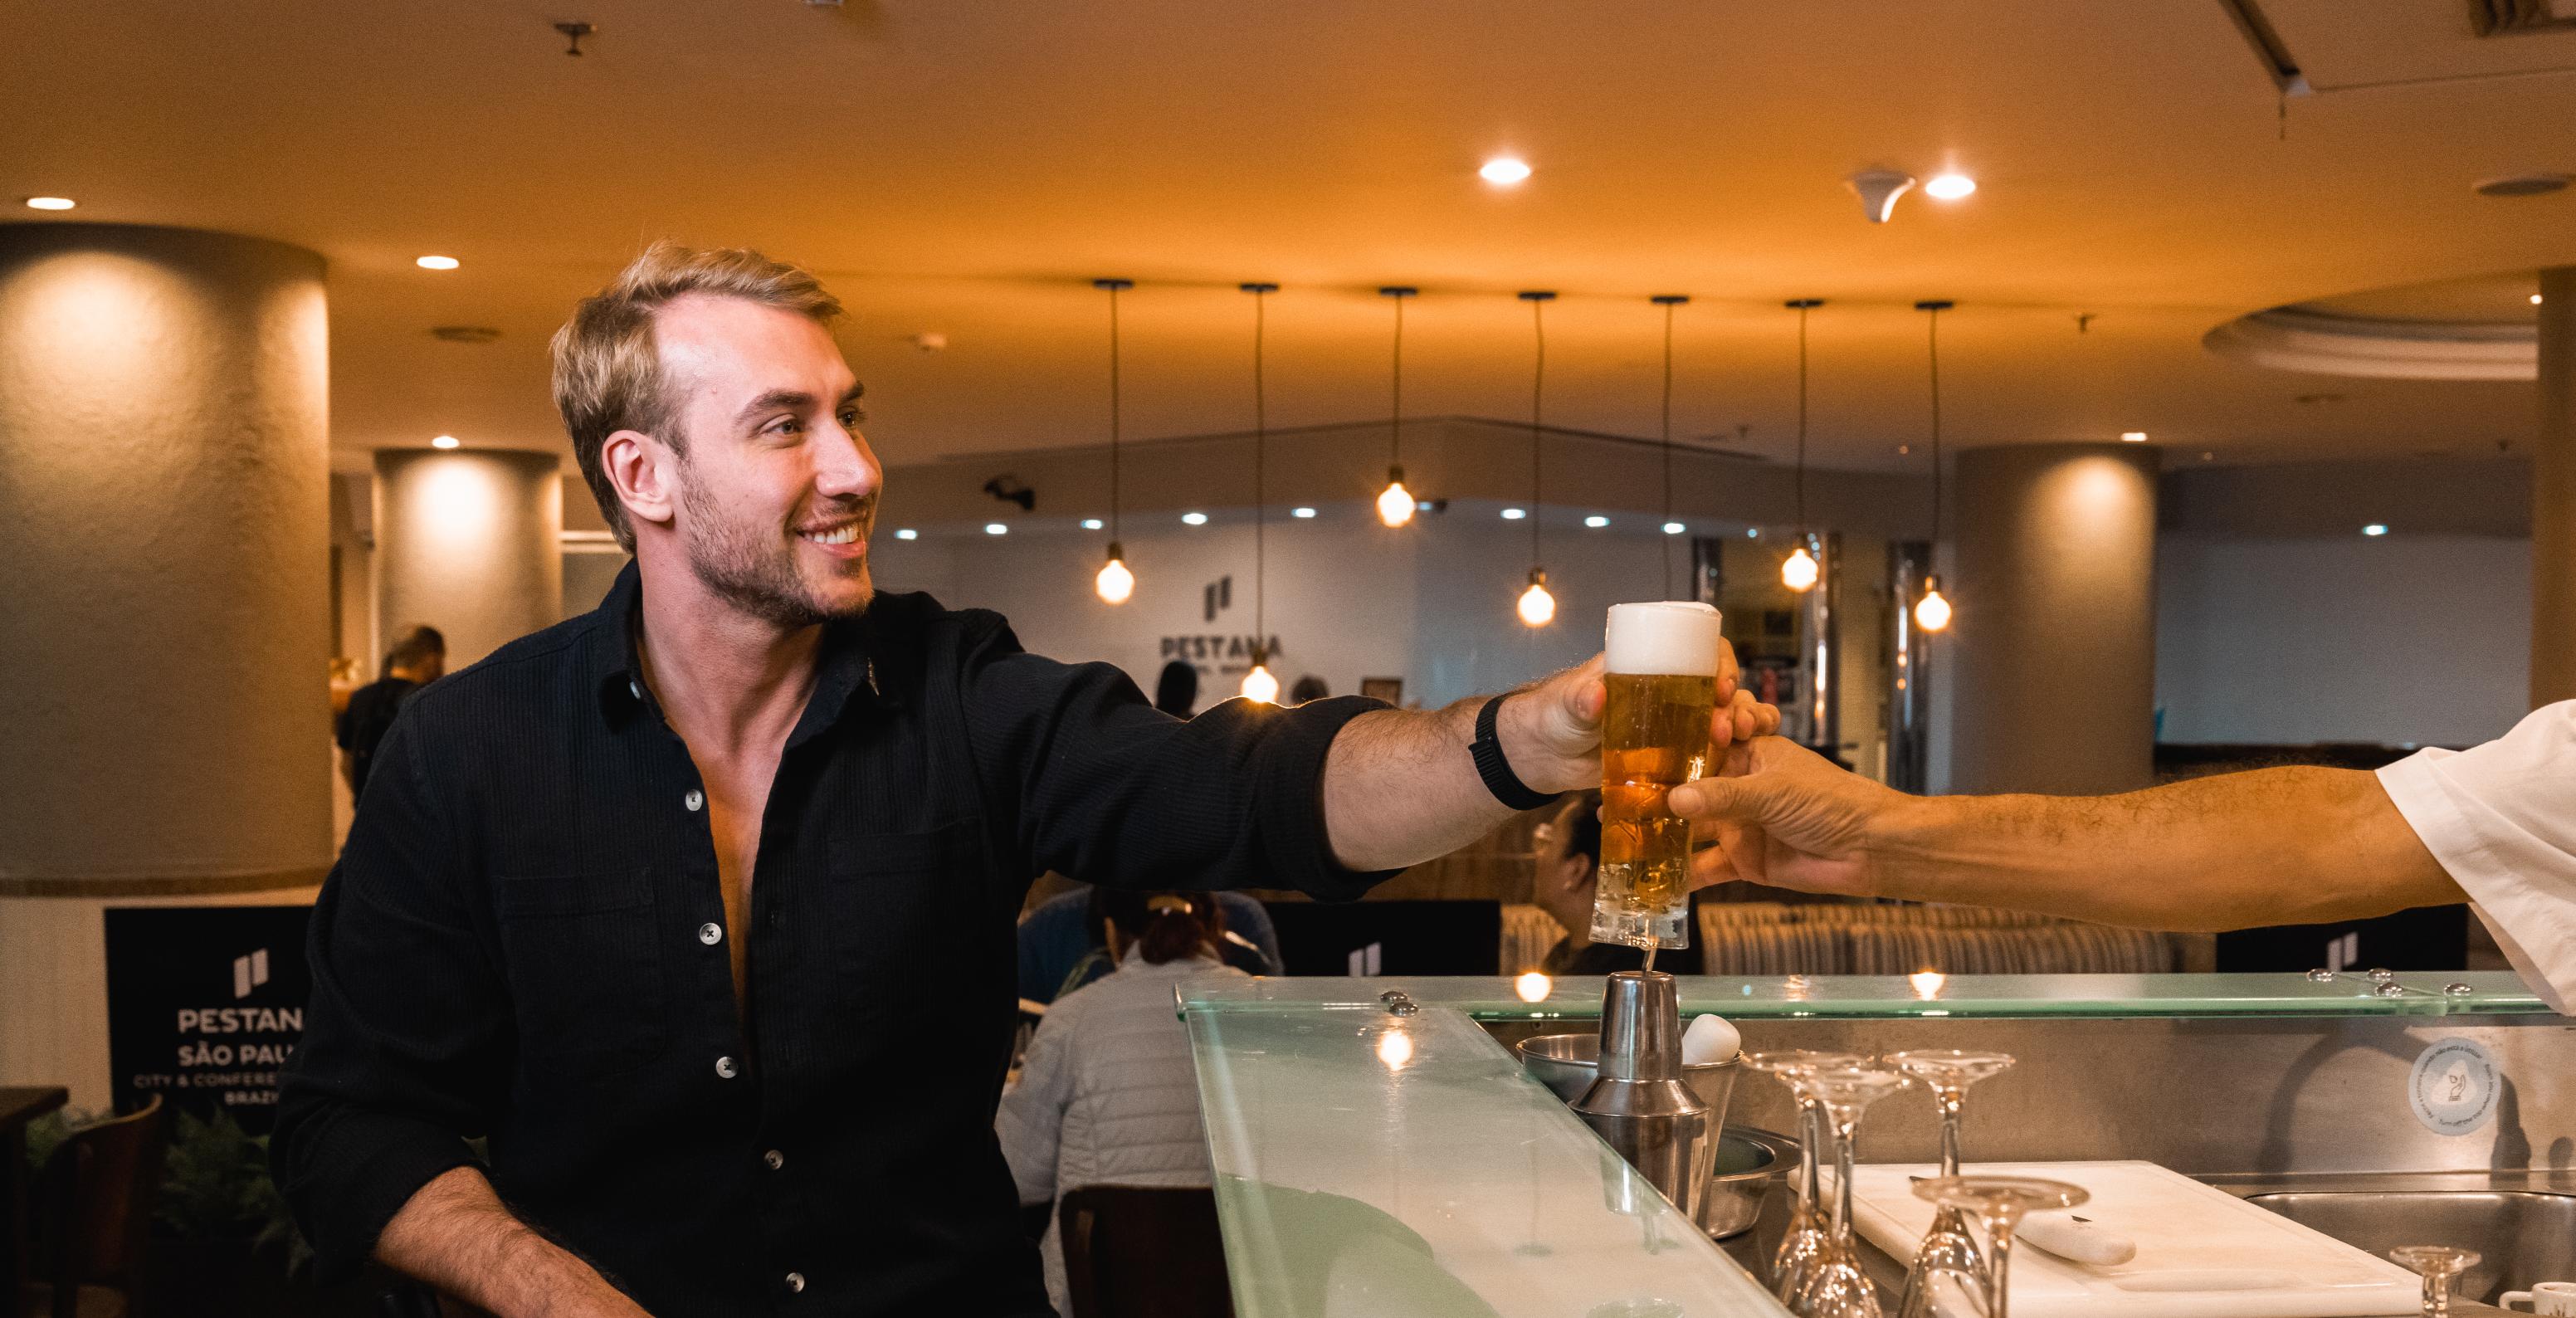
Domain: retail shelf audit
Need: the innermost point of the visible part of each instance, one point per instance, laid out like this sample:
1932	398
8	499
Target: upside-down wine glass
1837	1288
1998	1203
1949	1251
1806	1240
2437	1264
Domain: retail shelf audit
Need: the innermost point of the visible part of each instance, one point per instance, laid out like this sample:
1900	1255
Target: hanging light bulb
1538	608
1115	583
1932	613
1395	503
1258	685
1798	572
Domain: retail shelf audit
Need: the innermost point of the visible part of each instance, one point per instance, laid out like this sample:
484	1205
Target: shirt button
710	933
695	799
795	1283
728	1068
775	1159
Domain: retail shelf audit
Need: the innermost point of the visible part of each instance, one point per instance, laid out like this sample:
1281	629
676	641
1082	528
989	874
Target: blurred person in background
1108	1094
1309	687
1064	940
1176	692
418	658
1567	874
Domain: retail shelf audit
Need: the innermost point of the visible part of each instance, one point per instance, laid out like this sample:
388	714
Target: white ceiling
968	168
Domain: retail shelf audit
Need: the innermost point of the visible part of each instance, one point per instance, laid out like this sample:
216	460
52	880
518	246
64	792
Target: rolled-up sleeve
407	1034
1108	789
2501	819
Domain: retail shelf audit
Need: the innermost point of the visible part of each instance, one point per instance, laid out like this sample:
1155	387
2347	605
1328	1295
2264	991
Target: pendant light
1537	607
1800	571
1932	613
1259	685
1395	503
1668	301
1115	583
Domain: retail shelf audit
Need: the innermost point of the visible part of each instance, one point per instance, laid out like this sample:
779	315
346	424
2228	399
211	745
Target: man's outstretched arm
457	1235
2272	846
1400	785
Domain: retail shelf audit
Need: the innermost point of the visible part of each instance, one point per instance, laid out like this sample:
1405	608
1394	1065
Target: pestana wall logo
249	972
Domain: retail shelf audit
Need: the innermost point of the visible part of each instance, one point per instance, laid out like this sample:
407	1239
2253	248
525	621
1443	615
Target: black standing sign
203	1004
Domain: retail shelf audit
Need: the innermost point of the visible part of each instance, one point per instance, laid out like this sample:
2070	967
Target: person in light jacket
1107	1093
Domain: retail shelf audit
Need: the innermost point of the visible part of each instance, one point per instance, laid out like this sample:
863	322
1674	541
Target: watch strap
1494	769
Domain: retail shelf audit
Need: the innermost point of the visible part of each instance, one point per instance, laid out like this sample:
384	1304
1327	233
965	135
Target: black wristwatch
1491	766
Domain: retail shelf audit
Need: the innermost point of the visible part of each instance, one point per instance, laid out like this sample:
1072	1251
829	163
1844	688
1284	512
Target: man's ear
645	473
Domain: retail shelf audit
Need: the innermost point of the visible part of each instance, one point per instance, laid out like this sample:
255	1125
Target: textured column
2054	642
468	541
164	716
2553	496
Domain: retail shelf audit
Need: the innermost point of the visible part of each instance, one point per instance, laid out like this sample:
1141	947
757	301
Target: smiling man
698	908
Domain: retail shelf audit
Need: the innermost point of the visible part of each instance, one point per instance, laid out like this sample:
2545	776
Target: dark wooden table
17	1108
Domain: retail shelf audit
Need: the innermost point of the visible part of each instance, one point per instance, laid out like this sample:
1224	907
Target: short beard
729	560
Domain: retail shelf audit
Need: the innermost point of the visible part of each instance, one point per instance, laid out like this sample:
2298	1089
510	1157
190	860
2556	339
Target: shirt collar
846	664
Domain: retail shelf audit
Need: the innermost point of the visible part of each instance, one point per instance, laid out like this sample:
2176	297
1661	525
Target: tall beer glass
1654	736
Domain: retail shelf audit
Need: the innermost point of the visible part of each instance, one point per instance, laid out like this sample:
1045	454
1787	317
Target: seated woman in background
1107	1092
1567	874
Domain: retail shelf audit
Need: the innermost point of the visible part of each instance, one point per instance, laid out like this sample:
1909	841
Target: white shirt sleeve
2502	819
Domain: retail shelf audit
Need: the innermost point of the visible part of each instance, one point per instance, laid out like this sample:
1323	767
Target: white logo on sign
1366	960
2454	1087
249	972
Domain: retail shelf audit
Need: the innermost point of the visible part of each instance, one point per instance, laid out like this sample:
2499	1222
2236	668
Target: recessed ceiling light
1505	171
2535	299
50	203
1194	519
996	528
1753	533
1674	528
1514	514
1091	523
1301	512
1903	450
2133	437
2374	528
444	441
435	262
907	533
1596	521
2207	456
1950	187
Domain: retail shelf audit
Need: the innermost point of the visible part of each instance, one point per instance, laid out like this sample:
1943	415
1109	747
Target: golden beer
1654	736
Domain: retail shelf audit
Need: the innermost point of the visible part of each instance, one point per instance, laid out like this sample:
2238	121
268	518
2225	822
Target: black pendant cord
1538	396
1260	464
1395	409
1668	301
1113	285
1932	342
1802	426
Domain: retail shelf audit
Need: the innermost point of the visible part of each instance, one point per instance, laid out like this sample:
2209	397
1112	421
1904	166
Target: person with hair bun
1107	1092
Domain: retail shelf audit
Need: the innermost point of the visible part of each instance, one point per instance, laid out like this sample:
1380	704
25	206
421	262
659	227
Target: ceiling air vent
465	333
2498	18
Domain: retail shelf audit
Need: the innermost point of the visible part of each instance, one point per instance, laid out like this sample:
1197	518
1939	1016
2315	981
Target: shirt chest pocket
584	955
897	906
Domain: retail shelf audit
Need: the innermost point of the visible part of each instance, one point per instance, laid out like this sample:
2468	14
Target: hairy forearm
2274	846
1400	786
457	1235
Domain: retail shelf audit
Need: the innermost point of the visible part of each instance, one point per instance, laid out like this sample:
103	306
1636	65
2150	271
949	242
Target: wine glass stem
1846	1129
1999	1237
2437	1295
1810	1158
1951	1101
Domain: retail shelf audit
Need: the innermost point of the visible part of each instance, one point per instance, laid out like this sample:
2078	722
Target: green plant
216	1186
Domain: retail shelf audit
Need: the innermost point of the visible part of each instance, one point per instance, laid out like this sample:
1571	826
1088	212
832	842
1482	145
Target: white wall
2395	639
1432	604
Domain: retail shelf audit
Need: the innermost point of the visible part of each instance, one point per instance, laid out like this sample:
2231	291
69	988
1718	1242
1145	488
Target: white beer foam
1679	637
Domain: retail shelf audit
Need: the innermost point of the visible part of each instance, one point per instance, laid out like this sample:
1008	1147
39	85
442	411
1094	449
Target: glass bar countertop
1371	1164
2351	993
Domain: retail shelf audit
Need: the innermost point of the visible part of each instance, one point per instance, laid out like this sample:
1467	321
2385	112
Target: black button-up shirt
524	942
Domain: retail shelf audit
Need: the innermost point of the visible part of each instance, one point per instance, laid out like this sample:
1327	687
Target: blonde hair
608	369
